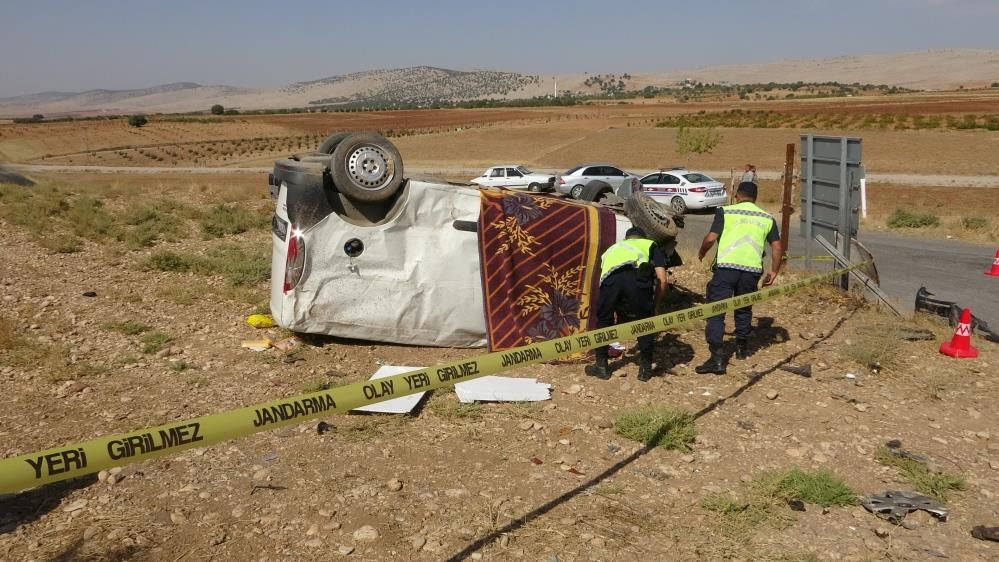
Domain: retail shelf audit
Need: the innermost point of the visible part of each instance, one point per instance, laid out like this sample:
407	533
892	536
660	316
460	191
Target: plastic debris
260	320
258	345
401	405
502	389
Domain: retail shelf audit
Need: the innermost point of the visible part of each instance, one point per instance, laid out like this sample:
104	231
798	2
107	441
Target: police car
682	189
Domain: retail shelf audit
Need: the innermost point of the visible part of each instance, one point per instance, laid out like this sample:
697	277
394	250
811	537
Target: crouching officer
632	286
742	230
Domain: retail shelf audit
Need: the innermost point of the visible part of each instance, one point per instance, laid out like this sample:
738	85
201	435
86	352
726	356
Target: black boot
741	349
599	368
644	369
715	365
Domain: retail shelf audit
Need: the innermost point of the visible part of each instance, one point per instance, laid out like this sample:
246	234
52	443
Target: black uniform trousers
726	283
629	296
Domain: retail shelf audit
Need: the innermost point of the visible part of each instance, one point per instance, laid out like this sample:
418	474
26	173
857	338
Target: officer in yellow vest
742	230
632	285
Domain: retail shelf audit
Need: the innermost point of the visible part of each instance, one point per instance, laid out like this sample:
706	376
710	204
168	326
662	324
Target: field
895	129
177	261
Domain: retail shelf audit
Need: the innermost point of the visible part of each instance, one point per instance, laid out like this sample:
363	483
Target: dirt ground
545	481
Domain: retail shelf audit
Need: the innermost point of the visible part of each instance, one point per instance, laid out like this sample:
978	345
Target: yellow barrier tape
79	459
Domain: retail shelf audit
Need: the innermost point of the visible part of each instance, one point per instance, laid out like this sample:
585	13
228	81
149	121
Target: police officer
741	230
632	285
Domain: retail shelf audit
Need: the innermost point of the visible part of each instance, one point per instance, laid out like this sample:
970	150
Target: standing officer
627	272
741	230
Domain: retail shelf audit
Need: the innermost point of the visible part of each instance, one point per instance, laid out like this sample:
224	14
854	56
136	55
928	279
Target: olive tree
696	141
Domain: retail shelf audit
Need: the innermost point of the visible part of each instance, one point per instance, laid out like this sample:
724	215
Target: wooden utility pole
787	210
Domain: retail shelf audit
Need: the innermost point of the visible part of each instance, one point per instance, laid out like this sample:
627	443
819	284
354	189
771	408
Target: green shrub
924	480
154	342
169	261
821	488
906	219
223	220
137	120
239	266
129	328
974	223
657	426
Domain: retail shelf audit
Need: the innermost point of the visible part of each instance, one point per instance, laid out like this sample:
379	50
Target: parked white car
575	180
682	189
515	177
361	252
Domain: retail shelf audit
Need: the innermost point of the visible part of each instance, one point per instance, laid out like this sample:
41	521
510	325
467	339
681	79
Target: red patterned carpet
540	265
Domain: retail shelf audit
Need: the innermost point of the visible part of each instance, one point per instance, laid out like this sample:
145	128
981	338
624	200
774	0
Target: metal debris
952	312
894	505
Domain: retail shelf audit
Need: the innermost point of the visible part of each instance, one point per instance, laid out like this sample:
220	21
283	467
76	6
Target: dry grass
657	426
934	484
766	501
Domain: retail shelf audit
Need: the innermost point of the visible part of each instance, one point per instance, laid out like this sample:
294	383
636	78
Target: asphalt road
949	269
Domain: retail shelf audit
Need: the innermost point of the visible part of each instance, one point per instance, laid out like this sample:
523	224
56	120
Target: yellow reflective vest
743	237
632	252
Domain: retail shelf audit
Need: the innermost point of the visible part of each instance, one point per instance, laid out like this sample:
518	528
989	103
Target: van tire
594	190
657	221
329	145
366	167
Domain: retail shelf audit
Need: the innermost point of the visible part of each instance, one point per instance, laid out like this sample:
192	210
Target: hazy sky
69	45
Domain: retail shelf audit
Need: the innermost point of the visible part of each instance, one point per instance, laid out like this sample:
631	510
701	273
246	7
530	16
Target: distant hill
937	69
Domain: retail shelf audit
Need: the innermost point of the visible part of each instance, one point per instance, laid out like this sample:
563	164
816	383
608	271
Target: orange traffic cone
960	345
995	266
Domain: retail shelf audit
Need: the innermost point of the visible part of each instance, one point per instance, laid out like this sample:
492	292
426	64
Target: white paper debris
502	389
402	405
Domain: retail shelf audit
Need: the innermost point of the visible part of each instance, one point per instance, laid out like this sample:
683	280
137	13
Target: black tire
594	190
366	167
576	192
678	205
534	188
329	145
656	220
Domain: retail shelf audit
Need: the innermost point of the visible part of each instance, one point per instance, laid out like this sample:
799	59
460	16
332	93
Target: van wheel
595	190
366	167
331	141
657	221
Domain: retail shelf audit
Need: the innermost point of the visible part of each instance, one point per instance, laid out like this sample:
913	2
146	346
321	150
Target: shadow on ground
616	467
29	506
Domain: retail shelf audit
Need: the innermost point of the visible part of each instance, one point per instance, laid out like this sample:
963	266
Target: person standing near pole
749	174
742	231
632	286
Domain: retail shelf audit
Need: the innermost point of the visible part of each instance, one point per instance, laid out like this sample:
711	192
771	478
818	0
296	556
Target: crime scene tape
87	457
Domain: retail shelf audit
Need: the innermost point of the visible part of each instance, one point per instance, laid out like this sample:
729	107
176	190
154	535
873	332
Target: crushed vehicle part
925	302
894	505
